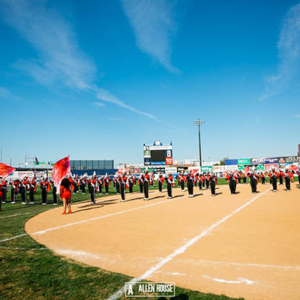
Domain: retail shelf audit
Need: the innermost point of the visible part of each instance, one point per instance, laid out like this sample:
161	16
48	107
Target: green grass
31	271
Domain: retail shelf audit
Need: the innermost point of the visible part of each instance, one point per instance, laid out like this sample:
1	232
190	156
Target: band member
213	182
65	194
146	182
123	181
1	194
114	181
93	184
14	190
45	186
23	184
287	178
182	178
107	183
244	178
141	183
83	182
253	182
100	184
3	190
54	192
232	182
118	184
239	177
169	180
131	183
281	176
32	190
160	182
273	179
207	180
263	178
190	184
298	173
75	184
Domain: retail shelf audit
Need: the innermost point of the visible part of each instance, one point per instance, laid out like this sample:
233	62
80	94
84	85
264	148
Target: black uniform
232	184
190	184
287	181
169	185
213	181
253	183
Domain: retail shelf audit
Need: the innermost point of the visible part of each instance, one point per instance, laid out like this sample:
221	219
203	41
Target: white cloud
51	36
289	54
98	104
153	25
60	60
7	95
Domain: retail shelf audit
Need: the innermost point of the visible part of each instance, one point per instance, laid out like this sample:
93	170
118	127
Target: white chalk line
249	265
238	281
23	249
182	249
14	237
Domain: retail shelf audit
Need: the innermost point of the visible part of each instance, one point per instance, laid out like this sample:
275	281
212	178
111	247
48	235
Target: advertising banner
169	160
230	162
289	159
268	167
194	169
147	161
217	169
244	161
271	160
157	163
231	168
260	167
172	170
257	161
147	153
207	169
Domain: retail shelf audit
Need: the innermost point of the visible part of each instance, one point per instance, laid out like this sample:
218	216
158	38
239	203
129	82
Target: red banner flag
5	170
60	170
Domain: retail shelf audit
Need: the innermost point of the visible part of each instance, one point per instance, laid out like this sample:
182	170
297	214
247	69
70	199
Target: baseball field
242	246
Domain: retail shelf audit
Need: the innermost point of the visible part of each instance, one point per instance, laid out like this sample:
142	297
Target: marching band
124	181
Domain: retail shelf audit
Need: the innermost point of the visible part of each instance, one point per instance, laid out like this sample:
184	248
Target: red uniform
65	193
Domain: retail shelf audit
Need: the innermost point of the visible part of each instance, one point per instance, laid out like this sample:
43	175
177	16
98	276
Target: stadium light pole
199	123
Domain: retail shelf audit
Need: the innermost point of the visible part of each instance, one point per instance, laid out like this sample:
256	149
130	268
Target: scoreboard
158	154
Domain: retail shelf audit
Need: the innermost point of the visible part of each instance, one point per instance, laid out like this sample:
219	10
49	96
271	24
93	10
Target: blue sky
96	81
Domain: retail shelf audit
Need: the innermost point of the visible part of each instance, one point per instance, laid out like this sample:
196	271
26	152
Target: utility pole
199	123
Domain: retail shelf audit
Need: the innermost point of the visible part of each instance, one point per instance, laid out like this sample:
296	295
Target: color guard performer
190	184
169	180
65	194
32	190
213	182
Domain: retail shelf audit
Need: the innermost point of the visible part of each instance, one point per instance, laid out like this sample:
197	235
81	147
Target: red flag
60	170
5	170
